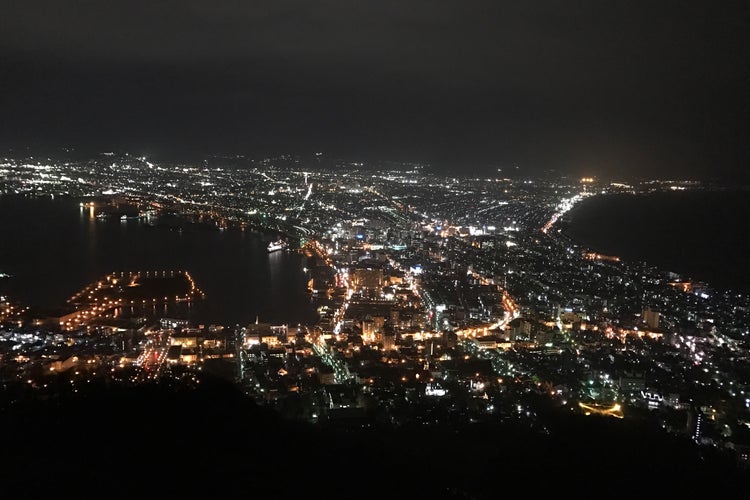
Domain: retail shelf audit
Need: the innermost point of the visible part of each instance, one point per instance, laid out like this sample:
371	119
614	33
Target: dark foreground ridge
157	440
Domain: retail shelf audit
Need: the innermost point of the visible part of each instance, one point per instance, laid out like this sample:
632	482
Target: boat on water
277	245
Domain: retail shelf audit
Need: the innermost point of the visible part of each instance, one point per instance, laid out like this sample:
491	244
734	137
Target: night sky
608	88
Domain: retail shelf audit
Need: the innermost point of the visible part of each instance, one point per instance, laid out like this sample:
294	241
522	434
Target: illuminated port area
373	250
442	302
119	292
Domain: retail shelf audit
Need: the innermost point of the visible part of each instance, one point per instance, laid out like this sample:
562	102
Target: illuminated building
519	328
372	328
632	382
651	317
487	342
389	341
369	279
186	338
173	354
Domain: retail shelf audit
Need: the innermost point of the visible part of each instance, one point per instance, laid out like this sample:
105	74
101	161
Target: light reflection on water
54	248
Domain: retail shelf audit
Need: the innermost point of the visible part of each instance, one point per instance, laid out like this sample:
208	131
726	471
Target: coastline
699	234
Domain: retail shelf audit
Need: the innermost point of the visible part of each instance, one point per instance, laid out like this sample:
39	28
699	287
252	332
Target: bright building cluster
442	300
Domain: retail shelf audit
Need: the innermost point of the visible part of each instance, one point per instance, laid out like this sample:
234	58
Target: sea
703	235
51	248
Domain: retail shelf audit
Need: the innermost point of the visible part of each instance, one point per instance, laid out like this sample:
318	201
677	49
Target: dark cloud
590	86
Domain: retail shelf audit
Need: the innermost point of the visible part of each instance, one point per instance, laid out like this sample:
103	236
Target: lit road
305	198
151	362
614	410
340	371
563	207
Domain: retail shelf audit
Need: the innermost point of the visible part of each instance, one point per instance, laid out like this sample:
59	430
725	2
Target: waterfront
701	235
431	320
52	248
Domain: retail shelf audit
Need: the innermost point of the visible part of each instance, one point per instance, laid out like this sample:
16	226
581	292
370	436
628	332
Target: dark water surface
53	248
703	235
